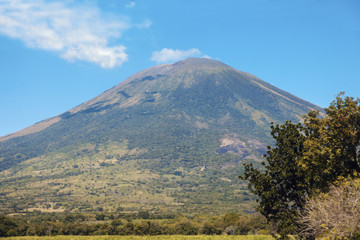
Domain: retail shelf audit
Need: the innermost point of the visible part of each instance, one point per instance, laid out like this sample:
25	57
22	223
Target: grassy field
172	237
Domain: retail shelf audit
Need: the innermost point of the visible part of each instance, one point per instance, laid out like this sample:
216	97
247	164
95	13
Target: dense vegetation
142	223
159	237
306	160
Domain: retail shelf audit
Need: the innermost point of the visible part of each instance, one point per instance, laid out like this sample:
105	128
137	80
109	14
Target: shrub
211	229
100	216
335	214
186	228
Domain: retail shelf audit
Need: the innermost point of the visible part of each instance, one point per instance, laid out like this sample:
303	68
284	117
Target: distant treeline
45	224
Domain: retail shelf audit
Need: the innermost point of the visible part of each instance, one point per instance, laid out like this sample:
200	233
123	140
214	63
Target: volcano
171	137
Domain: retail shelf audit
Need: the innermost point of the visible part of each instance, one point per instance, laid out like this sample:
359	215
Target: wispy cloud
145	24
170	55
130	4
75	32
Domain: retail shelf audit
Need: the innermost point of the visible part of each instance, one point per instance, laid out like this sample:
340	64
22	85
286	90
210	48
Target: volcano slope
170	138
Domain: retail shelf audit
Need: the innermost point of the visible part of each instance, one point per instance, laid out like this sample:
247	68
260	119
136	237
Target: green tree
282	187
231	218
186	228
100	216
7	224
332	146
211	228
144	215
305	160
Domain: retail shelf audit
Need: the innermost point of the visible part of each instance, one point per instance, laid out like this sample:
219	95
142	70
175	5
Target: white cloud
170	55
104	56
75	32
130	4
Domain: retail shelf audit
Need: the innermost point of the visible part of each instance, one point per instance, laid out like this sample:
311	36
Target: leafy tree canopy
306	159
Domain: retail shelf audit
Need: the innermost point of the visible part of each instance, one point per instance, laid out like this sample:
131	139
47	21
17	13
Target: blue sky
54	55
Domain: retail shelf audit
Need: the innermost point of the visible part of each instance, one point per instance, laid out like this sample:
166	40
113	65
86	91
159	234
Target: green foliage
100	216
282	187
231	218
55	224
211	229
186	228
165	237
332	147
306	159
144	215
7	226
